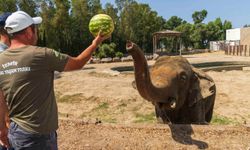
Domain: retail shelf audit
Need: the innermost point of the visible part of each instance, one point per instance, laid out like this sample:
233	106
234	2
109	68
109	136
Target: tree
46	29
199	16
199	36
62	25
121	4
113	13
226	25
79	26
187	30
174	22
138	23
220	32
29	6
7	6
94	7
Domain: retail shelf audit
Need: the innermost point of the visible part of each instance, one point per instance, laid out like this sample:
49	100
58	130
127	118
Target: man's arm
3	128
79	61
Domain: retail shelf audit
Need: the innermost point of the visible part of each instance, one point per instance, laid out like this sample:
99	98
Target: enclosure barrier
238	50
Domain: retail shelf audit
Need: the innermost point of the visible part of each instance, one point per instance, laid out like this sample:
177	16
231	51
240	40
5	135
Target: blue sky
236	11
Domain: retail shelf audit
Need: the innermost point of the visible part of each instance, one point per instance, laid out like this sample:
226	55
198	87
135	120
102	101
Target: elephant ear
202	86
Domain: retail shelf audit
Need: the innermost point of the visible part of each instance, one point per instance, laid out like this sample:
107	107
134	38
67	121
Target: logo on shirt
11	71
8	64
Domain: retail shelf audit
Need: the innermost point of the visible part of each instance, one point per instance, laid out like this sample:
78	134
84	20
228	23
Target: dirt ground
99	109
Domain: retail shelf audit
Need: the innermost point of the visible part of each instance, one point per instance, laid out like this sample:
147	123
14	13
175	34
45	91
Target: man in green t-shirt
26	79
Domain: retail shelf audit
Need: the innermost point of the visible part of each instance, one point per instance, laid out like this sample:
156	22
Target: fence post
241	50
230	50
233	50
238	47
249	51
245	50
237	50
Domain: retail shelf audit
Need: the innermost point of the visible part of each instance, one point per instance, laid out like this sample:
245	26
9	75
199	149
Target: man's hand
99	38
3	136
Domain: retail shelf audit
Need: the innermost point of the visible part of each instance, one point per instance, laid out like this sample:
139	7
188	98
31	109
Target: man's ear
29	33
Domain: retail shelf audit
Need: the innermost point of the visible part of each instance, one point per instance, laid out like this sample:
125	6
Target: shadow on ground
183	134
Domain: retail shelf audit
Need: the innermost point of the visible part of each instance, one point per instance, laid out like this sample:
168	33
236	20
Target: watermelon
101	22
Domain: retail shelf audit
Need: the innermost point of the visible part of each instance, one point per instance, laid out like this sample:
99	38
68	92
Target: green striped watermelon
101	22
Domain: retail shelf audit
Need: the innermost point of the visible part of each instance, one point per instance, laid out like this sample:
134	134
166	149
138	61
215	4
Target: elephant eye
183	77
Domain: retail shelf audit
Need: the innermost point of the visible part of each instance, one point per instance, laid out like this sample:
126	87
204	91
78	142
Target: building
238	36
234	37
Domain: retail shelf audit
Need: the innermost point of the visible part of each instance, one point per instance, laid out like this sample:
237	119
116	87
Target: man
26	78
4	44
4	38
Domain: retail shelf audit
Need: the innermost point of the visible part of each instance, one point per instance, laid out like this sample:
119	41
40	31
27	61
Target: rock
156	56
125	59
96	60
116	59
111	72
106	60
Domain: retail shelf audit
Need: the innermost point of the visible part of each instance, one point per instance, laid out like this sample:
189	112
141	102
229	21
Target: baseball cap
3	18
20	20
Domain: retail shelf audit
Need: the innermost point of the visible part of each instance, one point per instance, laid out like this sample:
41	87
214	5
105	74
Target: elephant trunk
142	76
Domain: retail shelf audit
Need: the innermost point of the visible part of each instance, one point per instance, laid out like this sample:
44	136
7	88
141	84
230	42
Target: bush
119	54
107	50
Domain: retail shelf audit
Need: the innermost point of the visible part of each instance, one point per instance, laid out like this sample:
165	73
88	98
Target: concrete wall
245	36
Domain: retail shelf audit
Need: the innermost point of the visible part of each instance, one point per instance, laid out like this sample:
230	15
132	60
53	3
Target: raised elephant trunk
142	77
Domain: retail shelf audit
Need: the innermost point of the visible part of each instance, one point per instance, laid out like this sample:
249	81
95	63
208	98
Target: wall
245	36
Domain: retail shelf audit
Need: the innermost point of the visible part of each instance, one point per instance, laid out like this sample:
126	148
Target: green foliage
80	36
8	6
119	54
123	3
174	22
145	118
226	25
220	120
138	23
199	36
28	6
187	30
199	16
106	50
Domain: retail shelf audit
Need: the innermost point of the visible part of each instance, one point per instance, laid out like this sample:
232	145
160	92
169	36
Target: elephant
180	93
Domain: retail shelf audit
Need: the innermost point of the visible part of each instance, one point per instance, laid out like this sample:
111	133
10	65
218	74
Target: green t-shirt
26	78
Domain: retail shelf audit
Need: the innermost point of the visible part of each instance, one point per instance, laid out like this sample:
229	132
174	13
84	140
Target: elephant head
172	85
